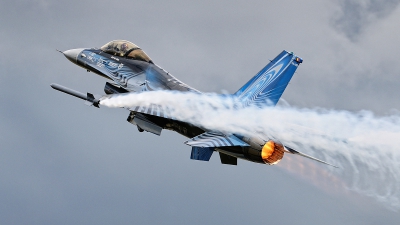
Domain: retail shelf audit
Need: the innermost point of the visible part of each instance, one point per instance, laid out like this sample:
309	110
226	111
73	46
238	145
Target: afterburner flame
272	152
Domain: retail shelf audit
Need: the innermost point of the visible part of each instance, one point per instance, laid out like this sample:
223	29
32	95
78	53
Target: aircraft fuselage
137	76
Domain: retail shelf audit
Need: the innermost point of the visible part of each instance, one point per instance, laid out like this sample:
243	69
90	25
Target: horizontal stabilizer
292	151
203	154
215	139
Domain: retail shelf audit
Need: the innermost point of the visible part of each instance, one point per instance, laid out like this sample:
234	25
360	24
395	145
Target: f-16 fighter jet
129	69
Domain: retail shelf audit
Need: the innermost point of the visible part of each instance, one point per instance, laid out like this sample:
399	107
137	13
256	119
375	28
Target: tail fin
266	88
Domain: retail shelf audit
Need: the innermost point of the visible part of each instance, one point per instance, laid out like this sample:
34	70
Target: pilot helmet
124	47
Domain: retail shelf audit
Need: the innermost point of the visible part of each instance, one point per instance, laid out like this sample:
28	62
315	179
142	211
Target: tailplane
267	86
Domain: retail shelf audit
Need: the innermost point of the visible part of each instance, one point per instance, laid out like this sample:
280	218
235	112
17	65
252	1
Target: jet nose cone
72	54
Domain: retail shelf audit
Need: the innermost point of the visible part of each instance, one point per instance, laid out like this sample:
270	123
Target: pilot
110	47
124	48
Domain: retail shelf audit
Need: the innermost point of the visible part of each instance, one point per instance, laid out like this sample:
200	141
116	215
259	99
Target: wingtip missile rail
89	98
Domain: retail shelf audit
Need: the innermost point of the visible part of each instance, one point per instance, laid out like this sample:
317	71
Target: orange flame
272	152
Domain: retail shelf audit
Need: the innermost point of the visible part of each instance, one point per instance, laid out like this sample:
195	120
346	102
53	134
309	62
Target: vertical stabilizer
267	86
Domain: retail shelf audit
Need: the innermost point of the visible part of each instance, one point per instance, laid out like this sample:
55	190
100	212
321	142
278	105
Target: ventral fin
202	154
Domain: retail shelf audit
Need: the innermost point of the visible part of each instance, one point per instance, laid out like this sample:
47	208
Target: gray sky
64	163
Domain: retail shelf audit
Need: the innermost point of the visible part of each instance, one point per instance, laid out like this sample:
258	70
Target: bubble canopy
125	49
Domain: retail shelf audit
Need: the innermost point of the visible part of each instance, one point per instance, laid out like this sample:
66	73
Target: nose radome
72	54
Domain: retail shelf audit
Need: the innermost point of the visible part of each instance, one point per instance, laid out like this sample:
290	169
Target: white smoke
364	146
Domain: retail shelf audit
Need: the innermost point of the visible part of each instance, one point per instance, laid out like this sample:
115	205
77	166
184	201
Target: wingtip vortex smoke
364	146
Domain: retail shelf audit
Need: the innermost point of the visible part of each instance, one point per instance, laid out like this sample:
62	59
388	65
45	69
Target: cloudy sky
62	162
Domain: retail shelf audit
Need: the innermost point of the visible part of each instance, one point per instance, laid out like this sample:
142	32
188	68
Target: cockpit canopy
125	49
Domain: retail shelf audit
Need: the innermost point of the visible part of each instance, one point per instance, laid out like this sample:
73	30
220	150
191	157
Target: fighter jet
129	69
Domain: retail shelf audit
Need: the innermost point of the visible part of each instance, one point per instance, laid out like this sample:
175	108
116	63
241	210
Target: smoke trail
364	146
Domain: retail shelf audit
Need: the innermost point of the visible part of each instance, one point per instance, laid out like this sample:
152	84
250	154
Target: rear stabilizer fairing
204	154
267	86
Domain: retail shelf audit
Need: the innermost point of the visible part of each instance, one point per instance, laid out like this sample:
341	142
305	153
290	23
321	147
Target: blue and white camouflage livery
131	70
266	88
